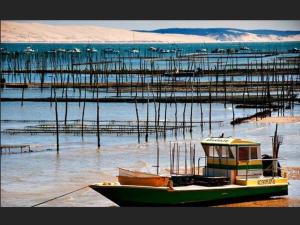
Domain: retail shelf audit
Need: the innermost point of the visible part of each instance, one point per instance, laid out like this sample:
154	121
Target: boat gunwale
154	177
150	175
188	187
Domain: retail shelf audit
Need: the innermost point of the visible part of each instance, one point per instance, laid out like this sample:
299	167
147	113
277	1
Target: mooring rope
60	196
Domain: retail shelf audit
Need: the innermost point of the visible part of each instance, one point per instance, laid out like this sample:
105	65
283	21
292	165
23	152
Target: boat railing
199	159
275	168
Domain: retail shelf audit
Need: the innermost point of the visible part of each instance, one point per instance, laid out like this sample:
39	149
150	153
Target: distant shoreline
280	119
146	42
16	32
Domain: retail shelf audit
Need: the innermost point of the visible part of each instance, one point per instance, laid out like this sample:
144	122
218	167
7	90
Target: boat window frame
250	147
248	151
256	152
228	152
216	151
233	149
206	149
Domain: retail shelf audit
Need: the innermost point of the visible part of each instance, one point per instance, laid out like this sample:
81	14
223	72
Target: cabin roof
228	141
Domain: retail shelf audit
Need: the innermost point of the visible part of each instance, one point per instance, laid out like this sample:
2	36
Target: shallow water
30	178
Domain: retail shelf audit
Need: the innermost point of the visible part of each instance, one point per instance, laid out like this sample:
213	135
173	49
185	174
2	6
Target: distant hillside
17	32
225	34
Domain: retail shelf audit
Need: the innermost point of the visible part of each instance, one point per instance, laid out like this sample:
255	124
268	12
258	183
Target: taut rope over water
60	196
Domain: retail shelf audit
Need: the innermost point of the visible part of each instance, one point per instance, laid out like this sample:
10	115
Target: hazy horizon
283	25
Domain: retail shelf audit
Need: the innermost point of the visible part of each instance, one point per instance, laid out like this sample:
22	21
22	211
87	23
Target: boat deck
199	187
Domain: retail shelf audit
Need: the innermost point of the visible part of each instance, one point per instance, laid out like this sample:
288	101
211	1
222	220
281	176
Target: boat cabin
233	158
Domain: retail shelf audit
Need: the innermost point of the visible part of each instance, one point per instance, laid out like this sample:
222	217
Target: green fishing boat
234	170
133	195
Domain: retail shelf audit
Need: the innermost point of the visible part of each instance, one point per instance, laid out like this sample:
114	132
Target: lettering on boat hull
266	181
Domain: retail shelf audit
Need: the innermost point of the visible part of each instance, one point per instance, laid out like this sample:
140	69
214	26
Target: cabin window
213	152
233	151
230	154
253	152
243	153
219	150
206	149
226	152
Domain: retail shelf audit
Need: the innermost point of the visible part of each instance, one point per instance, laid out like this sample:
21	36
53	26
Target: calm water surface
30	178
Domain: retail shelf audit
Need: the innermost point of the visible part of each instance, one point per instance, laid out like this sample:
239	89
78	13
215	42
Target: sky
157	24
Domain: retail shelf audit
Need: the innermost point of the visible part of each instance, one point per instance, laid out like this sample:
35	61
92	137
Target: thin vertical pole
98	129
147	122
157	158
165	121
56	120
138	121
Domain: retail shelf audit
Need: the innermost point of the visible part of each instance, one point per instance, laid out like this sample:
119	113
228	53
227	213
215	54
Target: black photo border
149	10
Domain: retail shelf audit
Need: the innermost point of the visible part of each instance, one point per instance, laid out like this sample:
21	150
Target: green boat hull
127	195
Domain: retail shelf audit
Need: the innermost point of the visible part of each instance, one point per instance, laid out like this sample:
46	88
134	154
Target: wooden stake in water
157	158
185	159
175	119
183	120
147	122
191	115
155	117
66	106
82	119
23	89
209	108
56	120
138	120
165	121
98	129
